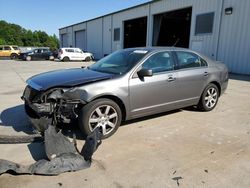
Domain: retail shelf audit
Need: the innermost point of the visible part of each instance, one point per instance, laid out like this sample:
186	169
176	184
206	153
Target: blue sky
50	15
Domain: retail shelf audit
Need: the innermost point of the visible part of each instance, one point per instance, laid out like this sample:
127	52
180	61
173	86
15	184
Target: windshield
119	62
30	51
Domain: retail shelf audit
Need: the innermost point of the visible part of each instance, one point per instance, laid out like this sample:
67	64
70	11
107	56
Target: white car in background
76	54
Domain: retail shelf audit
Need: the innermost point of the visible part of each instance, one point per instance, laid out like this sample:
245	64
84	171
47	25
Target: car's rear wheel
66	59
13	56
88	58
209	98
28	58
104	114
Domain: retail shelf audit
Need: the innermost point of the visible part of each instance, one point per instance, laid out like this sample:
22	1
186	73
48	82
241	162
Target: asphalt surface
184	148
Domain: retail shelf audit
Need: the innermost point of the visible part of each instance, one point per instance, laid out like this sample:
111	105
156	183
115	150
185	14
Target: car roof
41	48
153	49
69	48
159	48
8	45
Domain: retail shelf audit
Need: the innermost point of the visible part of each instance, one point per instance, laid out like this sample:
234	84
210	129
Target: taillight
61	52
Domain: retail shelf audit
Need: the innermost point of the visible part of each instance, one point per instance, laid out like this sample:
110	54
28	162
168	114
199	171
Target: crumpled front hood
66	78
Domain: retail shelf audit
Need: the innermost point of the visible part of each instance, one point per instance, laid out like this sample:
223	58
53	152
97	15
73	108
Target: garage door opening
135	32
172	28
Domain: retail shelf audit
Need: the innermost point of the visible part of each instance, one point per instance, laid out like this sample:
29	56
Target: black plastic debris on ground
62	154
177	180
6	139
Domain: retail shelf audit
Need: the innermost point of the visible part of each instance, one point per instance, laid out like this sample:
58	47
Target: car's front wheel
104	114
209	98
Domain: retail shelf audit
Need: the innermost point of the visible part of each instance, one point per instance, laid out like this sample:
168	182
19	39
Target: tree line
13	34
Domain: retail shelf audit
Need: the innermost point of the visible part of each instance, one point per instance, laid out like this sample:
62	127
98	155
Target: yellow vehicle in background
9	51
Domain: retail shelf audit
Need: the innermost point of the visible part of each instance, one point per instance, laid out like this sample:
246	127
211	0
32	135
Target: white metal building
218	28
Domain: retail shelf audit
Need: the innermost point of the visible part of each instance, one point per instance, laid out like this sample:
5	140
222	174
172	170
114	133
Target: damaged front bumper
61	104
44	109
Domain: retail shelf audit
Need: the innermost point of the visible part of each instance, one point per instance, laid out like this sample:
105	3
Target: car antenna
176	42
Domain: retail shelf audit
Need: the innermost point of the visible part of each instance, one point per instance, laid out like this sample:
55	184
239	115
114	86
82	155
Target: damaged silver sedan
126	84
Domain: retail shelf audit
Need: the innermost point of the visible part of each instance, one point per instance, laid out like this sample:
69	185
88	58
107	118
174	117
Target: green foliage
2	41
13	34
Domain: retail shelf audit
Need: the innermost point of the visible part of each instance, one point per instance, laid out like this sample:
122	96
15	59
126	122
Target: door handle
171	79
205	74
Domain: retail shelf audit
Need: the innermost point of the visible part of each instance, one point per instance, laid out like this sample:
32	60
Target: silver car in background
124	85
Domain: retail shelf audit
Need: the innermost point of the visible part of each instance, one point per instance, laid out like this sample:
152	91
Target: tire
88	58
28	58
13	56
66	59
209	98
104	114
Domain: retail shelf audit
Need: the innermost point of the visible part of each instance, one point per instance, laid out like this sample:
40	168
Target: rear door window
69	50
7	48
45	50
1	48
189	60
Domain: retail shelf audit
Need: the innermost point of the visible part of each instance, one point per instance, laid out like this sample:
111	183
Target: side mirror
145	73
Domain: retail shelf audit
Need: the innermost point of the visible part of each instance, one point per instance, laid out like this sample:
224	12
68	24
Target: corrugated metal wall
64	39
208	41
107	35
94	37
80	39
234	40
228	42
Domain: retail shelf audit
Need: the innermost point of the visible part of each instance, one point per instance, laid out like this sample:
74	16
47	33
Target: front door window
160	62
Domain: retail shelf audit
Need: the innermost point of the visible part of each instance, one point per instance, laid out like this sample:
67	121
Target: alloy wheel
211	97
104	117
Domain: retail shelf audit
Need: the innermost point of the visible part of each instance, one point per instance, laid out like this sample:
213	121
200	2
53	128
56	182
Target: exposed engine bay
57	104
